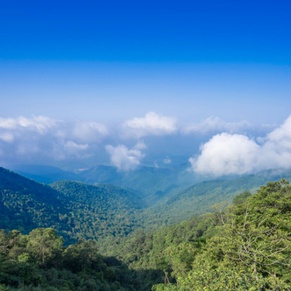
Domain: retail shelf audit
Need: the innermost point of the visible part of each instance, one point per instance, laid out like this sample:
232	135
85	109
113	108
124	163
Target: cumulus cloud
125	159
41	124
89	131
151	124
216	124
42	138
72	146
227	153
276	148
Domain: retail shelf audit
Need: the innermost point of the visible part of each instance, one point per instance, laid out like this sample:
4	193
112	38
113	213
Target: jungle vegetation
60	238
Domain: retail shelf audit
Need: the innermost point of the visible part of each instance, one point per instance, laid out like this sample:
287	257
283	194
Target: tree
83	255
44	245
252	250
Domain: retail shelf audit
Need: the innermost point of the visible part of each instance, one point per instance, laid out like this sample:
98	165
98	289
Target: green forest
75	236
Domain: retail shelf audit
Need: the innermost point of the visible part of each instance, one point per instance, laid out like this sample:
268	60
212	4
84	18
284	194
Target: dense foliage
243	247
246	246
152	183
75	210
39	261
25	204
97	212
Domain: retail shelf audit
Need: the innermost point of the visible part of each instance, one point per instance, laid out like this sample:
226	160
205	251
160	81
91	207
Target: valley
132	238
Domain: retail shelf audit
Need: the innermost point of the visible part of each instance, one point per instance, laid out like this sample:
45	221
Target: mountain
98	211
74	209
26	204
246	246
79	210
201	197
152	183
45	174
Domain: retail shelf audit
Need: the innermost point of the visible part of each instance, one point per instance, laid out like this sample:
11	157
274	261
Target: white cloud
7	123
151	124
140	146
37	123
42	138
70	145
216	124
7	137
228	153
74	149
89	131
276	149
125	159
282	134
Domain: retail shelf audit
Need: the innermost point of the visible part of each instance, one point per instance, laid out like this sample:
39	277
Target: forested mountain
39	261
25	204
174	186
152	183
45	174
203	197
74	209
98	211
246	246
80	210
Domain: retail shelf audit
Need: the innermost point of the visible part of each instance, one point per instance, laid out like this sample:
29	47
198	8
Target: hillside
98	211
246	246
202	197
78	210
40	261
152	183
74	209
26	204
45	174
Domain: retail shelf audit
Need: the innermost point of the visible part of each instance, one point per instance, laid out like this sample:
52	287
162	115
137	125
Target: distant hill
45	174
79	210
201	197
152	183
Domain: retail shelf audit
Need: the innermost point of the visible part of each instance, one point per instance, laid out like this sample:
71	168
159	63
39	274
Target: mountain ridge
26	204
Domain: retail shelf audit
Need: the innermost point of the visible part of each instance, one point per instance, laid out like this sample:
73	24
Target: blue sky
146	31
195	62
174	57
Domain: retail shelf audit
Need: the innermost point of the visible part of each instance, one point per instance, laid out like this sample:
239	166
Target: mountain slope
74	209
201	197
25	204
77	210
152	183
246	246
99	211
45	174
